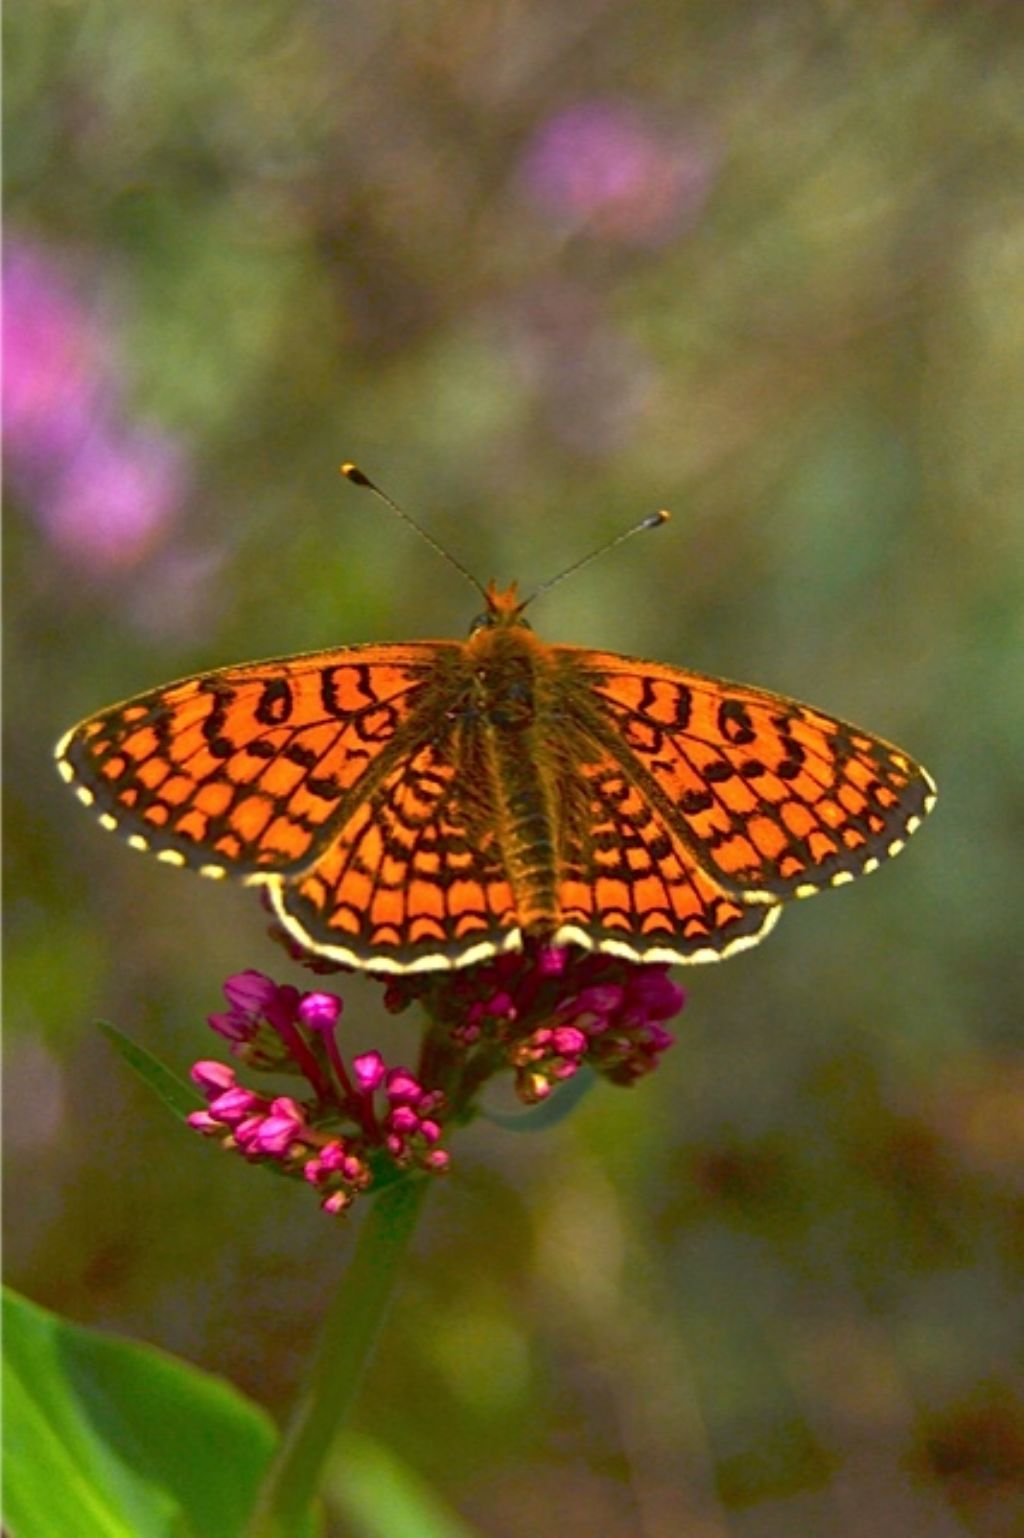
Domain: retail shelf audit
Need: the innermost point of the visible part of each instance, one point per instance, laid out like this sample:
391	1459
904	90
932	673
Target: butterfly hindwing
631	884
414	878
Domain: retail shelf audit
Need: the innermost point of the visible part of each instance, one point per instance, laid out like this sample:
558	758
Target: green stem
354	1319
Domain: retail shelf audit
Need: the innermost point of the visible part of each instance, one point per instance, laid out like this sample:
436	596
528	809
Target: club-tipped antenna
360	478
652	521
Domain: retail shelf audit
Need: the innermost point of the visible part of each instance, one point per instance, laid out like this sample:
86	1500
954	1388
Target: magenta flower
350	1115
552	1012
607	168
256	1006
543	1014
320	1011
370	1071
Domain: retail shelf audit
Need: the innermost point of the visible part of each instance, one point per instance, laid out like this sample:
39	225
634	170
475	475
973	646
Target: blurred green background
541	269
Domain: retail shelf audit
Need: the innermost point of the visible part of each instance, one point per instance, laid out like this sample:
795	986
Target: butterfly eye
489	621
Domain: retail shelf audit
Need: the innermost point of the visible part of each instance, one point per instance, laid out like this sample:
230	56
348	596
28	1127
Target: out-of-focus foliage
543	268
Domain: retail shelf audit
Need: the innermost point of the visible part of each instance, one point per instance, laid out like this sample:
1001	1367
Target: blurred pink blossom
53	359
113	498
103	489
605	166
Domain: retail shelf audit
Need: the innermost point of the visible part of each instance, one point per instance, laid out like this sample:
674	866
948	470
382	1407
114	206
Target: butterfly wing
772	799
247	770
631	884
414	879
341	781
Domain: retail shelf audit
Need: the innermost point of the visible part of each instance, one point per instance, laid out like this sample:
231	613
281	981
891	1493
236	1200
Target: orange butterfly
428	805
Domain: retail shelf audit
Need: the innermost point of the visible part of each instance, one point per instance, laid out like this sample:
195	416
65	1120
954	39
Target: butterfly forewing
244	770
774	799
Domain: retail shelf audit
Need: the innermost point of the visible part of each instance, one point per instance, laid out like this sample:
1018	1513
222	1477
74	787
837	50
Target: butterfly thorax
507	724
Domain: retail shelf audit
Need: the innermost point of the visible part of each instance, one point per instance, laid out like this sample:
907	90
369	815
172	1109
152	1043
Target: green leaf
106	1438
174	1092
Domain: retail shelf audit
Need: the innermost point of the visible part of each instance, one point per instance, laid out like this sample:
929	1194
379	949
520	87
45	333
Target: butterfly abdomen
510	689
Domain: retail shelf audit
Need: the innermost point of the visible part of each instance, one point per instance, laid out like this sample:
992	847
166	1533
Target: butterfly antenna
652	521
358	478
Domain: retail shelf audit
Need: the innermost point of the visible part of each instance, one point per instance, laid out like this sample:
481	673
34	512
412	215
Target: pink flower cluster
356	1115
554	1011
544	1013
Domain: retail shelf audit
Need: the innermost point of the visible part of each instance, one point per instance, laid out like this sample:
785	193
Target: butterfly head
504	609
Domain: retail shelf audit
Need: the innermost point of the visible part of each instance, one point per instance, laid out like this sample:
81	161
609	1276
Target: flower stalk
350	1330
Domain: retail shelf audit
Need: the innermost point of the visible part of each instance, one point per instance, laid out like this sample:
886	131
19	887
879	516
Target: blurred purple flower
103	489
113	497
605	166
54	363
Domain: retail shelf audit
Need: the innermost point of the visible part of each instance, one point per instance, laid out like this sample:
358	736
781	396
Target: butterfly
427	805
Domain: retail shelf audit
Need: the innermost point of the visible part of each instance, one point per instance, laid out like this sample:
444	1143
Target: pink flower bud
320	1011
235	1104
276	1133
233	1025
569	1041
248	1130
250	991
332	1156
403	1087
203	1122
212	1077
369	1069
